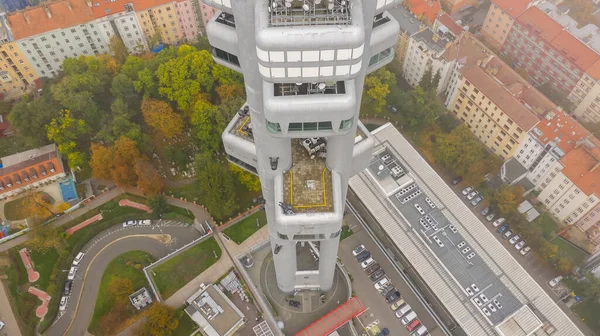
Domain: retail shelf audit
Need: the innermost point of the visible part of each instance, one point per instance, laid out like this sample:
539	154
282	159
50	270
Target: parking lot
378	313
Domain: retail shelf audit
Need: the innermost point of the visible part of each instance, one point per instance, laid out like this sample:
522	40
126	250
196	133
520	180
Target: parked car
456	180
397	304
408	318
392	296
68	287
467	190
503	228
422	331
413	325
485	211
477	200
129	223
520	244
369	270
514	239
384	332
525	250
403	311
472	194
78	258
358	250
364	255
72	272
507	234
490	217
2	325
382	283
63	303
145	222
498	222
555	281
392	108
387	290
377	275
367	263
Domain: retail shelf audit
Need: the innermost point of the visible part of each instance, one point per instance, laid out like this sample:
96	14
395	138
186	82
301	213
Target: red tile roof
49	16
540	23
594	70
574	50
30	171
447	21
512	7
582	167
562	125
103	8
427	9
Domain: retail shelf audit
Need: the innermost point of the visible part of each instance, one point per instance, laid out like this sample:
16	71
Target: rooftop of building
446	269
103	8
213	311
576	51
428	10
448	22
561	129
467	49
512	7
507	91
432	40
17	158
582	166
29	172
407	21
540	23
49	16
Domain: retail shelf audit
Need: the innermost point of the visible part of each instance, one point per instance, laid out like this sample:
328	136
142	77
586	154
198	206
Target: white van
403	311
72	272
422	331
78	258
408	318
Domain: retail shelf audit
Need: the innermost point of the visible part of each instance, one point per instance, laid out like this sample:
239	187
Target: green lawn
243	229
44	264
121	267
174	273
587	310
186	325
12	209
547	224
573	253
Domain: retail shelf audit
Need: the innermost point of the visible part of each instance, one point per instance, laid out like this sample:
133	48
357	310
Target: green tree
118	49
250	181
564	266
548	251
436	79
158	204
160	321
45	238
425	108
376	89
30	117
508	198
592	289
217	186
122	87
131	67
426	82
71	136
208	124
146	83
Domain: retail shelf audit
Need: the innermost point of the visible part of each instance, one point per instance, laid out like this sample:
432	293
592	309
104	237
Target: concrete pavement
6	314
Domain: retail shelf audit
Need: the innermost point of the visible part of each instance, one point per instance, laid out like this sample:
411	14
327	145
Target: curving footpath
100	251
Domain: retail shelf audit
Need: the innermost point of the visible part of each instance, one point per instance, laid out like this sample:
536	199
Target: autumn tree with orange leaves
160	116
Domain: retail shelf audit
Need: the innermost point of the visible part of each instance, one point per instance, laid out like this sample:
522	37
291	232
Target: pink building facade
187	20
207	12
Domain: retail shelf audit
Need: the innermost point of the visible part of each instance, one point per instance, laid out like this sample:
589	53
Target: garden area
177	271
53	250
122	276
246	227
19	209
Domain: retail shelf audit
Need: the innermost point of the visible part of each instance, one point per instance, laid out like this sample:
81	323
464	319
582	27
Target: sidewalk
235	249
6	314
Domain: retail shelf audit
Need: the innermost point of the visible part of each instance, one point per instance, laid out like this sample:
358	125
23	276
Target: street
378	311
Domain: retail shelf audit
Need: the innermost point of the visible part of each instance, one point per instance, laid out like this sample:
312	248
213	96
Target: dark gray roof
432	40
514	170
407	21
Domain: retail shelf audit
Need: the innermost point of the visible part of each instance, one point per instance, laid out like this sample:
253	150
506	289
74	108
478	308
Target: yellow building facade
162	19
17	76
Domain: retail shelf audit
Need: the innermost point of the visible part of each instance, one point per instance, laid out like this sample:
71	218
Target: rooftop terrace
243	127
307	186
309	12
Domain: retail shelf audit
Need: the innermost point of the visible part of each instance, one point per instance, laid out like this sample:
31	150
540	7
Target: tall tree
548	251
208	124
30	117
118	49
160	321
101	161
158	204
376	89
36	205
508	198
427	80
217	186
71	137
149	181
161	116
126	154
436	80
45	238
564	266
250	181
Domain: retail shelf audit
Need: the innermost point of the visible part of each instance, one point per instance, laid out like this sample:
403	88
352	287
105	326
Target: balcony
221	33
309	12
385	33
307	185
226	59
238	141
301	89
381	59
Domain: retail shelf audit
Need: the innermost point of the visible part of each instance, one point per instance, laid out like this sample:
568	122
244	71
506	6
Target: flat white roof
438	278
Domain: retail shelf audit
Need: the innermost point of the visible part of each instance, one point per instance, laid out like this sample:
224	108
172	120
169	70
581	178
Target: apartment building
574	191
304	68
409	25
546	144
159	18
455	6
491	101
206	12
115	17
16	73
499	20
425	50
48	34
549	53
186	12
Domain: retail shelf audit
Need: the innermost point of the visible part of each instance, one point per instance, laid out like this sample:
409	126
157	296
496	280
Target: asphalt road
100	251
378	311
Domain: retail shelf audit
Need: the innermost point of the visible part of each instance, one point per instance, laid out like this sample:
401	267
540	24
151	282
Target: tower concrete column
327	259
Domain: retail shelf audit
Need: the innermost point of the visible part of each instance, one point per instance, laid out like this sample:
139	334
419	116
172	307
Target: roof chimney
26	17
69	5
47	10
